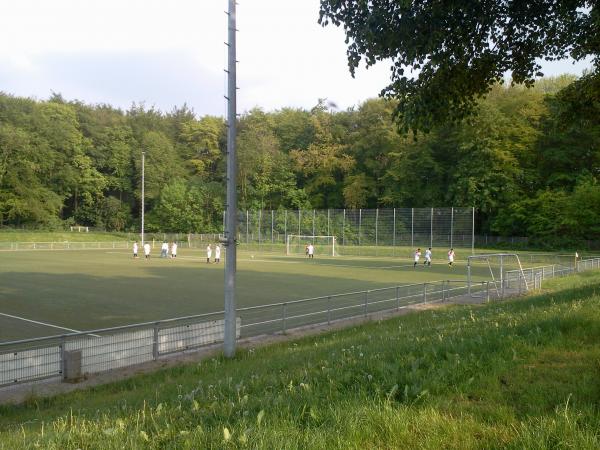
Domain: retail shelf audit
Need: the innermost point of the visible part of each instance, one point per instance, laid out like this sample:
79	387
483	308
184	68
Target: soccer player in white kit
147	250
451	257
311	251
218	253
135	249
417	256
208	253
427	261
164	249
174	250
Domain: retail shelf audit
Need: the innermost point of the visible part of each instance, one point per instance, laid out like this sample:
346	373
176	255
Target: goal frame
502	281
310	238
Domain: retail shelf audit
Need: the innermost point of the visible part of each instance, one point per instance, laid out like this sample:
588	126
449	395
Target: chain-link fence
379	232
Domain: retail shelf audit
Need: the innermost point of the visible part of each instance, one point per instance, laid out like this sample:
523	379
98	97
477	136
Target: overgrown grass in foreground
520	374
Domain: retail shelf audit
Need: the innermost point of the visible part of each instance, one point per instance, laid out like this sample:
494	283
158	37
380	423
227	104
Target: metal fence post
61	349
397	298
469	276
451	227
155	342
487	291
412	227
376	230
328	309
394	235
359	228
366	302
431	229
344	228
424	292
473	234
284	317
285	226
259	228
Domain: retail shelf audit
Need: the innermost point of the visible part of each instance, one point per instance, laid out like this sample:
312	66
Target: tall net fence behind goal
298	245
362	232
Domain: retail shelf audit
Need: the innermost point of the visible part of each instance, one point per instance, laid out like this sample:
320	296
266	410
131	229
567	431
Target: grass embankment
519	374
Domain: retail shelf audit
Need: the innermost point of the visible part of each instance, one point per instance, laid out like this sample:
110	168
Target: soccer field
49	292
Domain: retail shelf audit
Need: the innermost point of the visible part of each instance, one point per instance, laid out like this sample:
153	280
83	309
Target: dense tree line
529	161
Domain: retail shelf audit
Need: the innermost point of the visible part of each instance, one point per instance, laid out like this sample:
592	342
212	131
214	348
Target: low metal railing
533	276
19	246
107	348
103	245
111	348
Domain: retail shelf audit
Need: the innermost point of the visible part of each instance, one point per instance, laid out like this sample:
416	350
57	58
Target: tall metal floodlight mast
231	218
143	183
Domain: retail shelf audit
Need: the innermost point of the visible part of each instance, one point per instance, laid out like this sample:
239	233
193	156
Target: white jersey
218	252
146	249
174	249
311	249
417	256
428	255
208	252
451	256
135	249
164	246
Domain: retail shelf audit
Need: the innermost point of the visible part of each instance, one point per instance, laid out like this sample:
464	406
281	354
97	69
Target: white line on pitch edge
45	324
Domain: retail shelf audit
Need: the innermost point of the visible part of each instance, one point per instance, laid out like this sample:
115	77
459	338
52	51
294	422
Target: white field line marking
278	261
350	266
44	323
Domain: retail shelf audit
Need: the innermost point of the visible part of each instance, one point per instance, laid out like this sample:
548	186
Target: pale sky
166	53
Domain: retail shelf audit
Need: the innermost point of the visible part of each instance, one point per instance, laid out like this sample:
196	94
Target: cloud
170	53
163	79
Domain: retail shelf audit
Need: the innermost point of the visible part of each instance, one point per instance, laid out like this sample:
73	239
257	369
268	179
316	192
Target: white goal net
323	245
502	270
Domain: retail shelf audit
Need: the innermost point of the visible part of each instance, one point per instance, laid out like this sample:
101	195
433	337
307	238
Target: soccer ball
252	256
